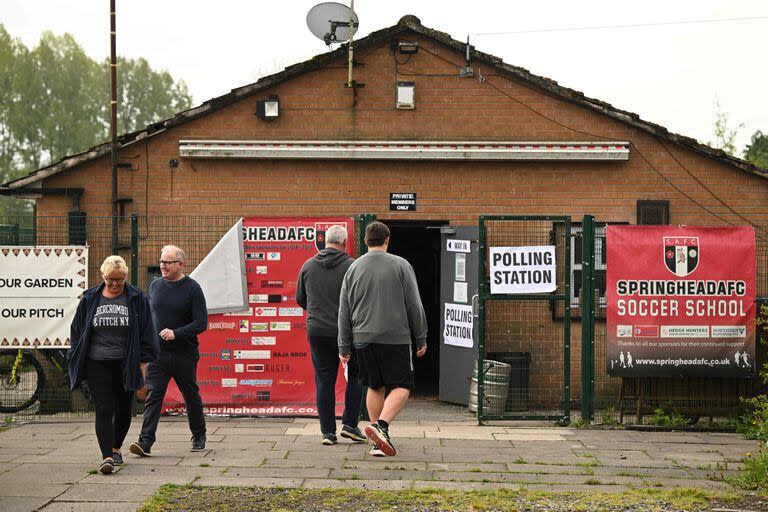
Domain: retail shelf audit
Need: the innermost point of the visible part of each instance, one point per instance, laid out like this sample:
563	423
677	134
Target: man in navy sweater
180	314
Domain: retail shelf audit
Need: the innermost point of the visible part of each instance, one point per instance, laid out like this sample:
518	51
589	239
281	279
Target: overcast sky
670	74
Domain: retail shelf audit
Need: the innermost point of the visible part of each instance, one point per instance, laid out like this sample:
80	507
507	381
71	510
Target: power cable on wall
683	167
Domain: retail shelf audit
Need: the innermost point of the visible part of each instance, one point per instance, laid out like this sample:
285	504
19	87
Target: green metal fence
43	390
530	333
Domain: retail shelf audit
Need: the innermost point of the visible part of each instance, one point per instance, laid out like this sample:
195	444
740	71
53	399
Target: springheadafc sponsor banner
681	301
40	288
257	361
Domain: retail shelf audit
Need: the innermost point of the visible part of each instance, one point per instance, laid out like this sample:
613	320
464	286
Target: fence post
134	249
587	297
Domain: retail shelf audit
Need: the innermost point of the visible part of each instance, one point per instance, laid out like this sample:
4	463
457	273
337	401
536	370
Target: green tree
757	150
725	136
54	101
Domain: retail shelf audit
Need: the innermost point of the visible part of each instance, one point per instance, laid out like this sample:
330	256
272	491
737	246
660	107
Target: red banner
258	362
681	301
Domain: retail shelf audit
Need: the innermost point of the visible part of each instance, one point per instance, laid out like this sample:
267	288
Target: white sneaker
375	452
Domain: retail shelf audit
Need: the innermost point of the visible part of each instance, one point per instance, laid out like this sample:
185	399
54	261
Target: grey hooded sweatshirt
317	290
380	303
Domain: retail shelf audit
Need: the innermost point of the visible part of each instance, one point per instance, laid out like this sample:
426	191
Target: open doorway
419	243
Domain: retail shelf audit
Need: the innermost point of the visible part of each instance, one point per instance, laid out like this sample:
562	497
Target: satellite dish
329	21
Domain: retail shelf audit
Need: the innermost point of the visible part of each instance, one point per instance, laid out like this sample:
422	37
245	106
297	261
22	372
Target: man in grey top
317	291
380	311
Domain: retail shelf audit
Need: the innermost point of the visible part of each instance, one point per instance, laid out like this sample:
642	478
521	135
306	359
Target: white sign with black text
455	245
458	325
40	288
519	270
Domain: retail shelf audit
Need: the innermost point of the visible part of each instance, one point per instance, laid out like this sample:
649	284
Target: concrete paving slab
146	475
21	504
380	474
46	473
115	491
382	485
38	491
250	482
81	506
261	472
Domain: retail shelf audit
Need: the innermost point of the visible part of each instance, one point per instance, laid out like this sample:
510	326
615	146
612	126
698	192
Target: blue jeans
325	359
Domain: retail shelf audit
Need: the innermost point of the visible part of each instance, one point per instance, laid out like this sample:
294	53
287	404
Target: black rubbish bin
518	394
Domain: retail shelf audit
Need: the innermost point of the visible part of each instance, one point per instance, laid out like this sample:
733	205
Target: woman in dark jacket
113	338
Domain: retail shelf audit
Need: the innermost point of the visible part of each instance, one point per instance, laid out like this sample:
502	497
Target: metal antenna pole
113	117
350	83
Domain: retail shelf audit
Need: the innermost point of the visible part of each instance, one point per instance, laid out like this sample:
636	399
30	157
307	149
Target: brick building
550	151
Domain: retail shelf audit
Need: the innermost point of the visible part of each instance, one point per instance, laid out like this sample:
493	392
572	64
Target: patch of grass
189	498
520	460
667	416
205	465
580	423
754	473
93	471
607	417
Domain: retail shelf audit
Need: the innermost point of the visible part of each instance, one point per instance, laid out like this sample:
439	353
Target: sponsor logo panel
252	354
685	331
729	331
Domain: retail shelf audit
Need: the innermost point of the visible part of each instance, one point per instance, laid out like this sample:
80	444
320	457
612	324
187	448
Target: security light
268	109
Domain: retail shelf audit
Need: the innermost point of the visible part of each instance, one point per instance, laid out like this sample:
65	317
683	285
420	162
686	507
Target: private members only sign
258	362
681	301
40	288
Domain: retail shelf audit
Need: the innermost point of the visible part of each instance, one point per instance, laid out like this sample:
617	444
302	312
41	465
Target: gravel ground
232	499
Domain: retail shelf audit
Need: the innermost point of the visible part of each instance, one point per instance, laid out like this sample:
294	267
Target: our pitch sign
40	288
681	301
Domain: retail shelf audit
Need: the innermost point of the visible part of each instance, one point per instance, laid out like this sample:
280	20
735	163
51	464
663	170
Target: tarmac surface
49	466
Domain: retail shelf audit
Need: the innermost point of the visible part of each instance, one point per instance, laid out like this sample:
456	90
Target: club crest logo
320	229
681	254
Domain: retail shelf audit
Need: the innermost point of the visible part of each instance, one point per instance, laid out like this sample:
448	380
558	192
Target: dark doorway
419	243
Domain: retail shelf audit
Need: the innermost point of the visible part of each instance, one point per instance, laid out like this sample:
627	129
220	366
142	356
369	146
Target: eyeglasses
169	262
119	280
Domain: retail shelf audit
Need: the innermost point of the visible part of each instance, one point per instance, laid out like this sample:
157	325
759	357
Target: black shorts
389	366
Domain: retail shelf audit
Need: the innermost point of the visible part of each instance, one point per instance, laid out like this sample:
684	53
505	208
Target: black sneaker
329	439
140	448
354	434
107	466
198	443
117	458
381	438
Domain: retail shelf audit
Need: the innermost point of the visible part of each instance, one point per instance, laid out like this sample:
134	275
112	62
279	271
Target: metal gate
524	340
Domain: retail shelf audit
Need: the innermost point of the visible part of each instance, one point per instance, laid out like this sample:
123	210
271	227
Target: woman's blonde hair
114	263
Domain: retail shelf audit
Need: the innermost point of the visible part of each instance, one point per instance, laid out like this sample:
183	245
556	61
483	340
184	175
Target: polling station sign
681	301
519	270
458	322
40	288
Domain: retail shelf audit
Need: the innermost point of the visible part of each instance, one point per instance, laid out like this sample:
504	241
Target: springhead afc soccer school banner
681	301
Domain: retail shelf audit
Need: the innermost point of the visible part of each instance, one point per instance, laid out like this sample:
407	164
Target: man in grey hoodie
380	311
317	291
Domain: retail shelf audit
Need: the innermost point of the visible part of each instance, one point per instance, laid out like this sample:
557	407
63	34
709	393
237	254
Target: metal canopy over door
458	290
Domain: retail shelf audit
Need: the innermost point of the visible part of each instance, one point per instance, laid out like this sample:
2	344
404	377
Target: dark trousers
325	358
182	368
113	403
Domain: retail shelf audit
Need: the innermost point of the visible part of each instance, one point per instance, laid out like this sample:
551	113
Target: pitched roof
406	23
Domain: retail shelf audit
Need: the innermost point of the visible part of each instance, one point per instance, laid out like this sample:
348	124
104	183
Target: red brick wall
317	106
